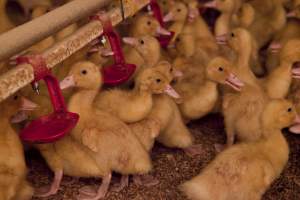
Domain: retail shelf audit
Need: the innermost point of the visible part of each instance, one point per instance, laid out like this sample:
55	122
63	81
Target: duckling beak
102	50
27	105
210	4
275	47
106	53
19	117
67	83
162	31
291	14
296	127
296	71
234	82
169	17
169	90
193	13
130	41
221	39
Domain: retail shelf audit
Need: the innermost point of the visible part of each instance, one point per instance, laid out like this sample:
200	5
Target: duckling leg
45	191
219	147
101	191
145	180
124	183
193	150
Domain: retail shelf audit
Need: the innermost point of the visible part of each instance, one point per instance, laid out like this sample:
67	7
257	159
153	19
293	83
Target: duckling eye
149	23
178	10
289	109
16	97
220	69
84	72
142	42
158	80
177	39
232	35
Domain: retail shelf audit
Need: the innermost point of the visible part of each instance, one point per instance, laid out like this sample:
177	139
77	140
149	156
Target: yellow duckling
200	96
13	171
109	141
245	171
134	105
178	14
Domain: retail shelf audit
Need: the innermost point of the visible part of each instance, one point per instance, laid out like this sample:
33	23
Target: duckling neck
279	15
152	58
177	28
202	29
134	57
244	54
139	93
276	149
280	79
223	24
82	101
243	67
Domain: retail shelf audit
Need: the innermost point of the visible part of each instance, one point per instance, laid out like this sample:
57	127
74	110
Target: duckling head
220	70
165	5
239	39
279	114
83	75
16	106
178	12
147	46
146	24
157	80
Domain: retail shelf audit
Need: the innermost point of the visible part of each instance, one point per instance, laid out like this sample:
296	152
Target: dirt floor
172	167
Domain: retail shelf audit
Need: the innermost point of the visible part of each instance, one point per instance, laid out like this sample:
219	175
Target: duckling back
239	173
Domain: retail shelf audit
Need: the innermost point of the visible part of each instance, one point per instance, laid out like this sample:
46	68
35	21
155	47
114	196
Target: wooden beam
22	75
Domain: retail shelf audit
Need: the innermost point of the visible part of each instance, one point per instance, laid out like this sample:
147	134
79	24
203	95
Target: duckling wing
90	137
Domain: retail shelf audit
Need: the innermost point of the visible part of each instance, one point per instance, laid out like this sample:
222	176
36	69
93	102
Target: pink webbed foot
90	191
123	183
194	150
87	193
145	180
50	190
219	147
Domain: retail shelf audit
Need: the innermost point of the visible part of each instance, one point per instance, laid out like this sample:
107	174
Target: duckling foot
219	147
194	150
124	183
85	195
88	191
145	180
53	189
